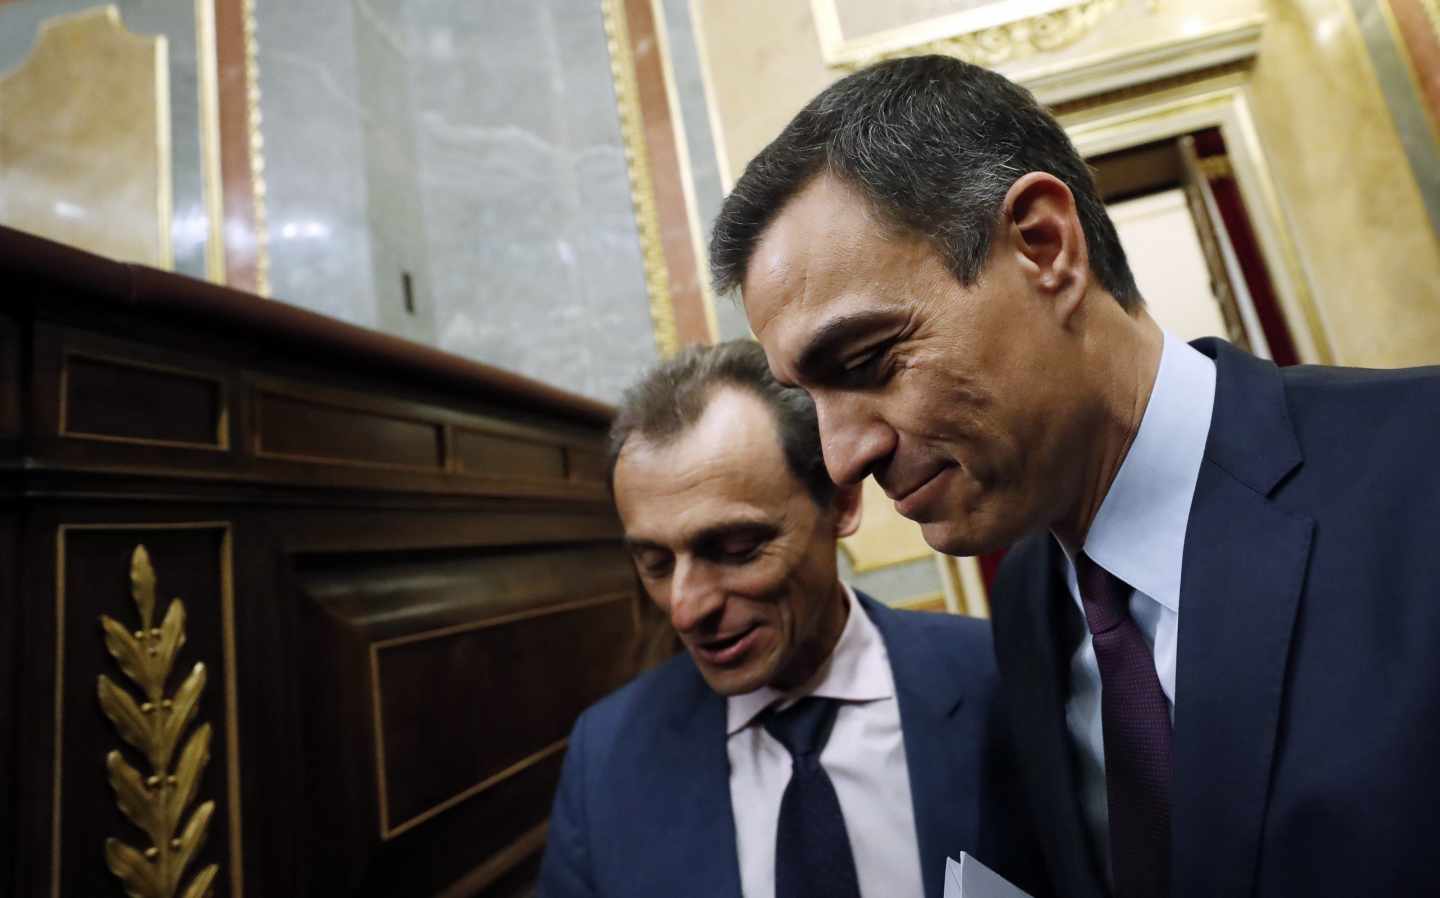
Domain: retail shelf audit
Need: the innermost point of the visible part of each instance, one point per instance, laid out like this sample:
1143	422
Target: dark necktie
1136	721
812	848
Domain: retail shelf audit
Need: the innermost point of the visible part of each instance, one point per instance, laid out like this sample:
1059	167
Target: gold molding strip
257	152
642	187
157	803
211	185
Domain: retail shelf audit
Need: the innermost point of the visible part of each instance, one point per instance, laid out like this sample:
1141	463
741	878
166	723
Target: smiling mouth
897	498
727	648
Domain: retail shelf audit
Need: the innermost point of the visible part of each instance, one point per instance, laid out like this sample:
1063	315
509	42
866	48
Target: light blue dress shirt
1139	536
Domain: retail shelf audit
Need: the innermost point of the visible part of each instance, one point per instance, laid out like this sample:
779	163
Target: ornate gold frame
642	187
988	35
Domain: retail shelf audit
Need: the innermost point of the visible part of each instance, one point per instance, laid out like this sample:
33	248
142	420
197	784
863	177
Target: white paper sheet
968	878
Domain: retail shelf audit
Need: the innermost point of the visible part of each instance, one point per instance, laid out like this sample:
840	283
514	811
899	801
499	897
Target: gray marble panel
190	227
534	256
315	163
399	254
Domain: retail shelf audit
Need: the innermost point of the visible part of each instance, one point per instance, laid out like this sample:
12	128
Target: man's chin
728	682
961	540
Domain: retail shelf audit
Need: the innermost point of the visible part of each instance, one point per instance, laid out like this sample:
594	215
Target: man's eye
864	367
740	550
652	564
861	361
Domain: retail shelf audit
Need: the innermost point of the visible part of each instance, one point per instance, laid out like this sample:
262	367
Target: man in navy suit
1218	632
810	740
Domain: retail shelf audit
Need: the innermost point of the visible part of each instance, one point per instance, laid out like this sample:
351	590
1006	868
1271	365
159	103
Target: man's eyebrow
823	345
717	532
711	533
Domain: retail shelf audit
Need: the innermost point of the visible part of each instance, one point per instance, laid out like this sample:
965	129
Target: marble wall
474	146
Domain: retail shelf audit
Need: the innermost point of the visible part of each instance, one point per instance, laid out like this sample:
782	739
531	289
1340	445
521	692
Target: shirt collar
1139	533
858	670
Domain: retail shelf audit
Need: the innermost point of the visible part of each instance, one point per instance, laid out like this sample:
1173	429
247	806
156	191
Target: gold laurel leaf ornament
154	726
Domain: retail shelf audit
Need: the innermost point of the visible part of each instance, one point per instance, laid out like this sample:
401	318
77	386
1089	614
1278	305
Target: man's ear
848	511
1044	233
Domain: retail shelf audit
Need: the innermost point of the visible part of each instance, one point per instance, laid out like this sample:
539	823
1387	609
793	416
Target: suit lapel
1037	685
939	747
1244	569
692	778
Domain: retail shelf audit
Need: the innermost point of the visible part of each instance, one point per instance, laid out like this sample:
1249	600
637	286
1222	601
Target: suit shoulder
628	708
1316	390
1347	415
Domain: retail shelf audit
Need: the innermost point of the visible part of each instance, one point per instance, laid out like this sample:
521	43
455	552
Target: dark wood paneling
448	517
306	430
496	662
129	400
586	467
508	636
10	636
9	380
491	455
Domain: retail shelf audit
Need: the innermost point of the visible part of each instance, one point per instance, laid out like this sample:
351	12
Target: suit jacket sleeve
565	871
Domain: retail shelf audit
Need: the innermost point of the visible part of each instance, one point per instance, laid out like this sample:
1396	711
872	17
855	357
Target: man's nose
694	594
852	438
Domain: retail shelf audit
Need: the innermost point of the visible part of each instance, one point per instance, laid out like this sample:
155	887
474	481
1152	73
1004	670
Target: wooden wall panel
465	671
514	718
412	535
128	400
586	467
493	455
9	380
307	430
10	636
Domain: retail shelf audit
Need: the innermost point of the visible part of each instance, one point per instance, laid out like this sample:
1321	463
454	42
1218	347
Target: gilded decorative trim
988	46
212	187
257	152
154	726
642	188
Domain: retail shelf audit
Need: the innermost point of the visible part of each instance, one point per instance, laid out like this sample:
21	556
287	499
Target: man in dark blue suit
1218	632
810	740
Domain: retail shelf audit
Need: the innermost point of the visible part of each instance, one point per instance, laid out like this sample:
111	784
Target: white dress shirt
865	758
1139	536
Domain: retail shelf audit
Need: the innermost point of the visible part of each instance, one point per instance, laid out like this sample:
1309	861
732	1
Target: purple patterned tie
1136	720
